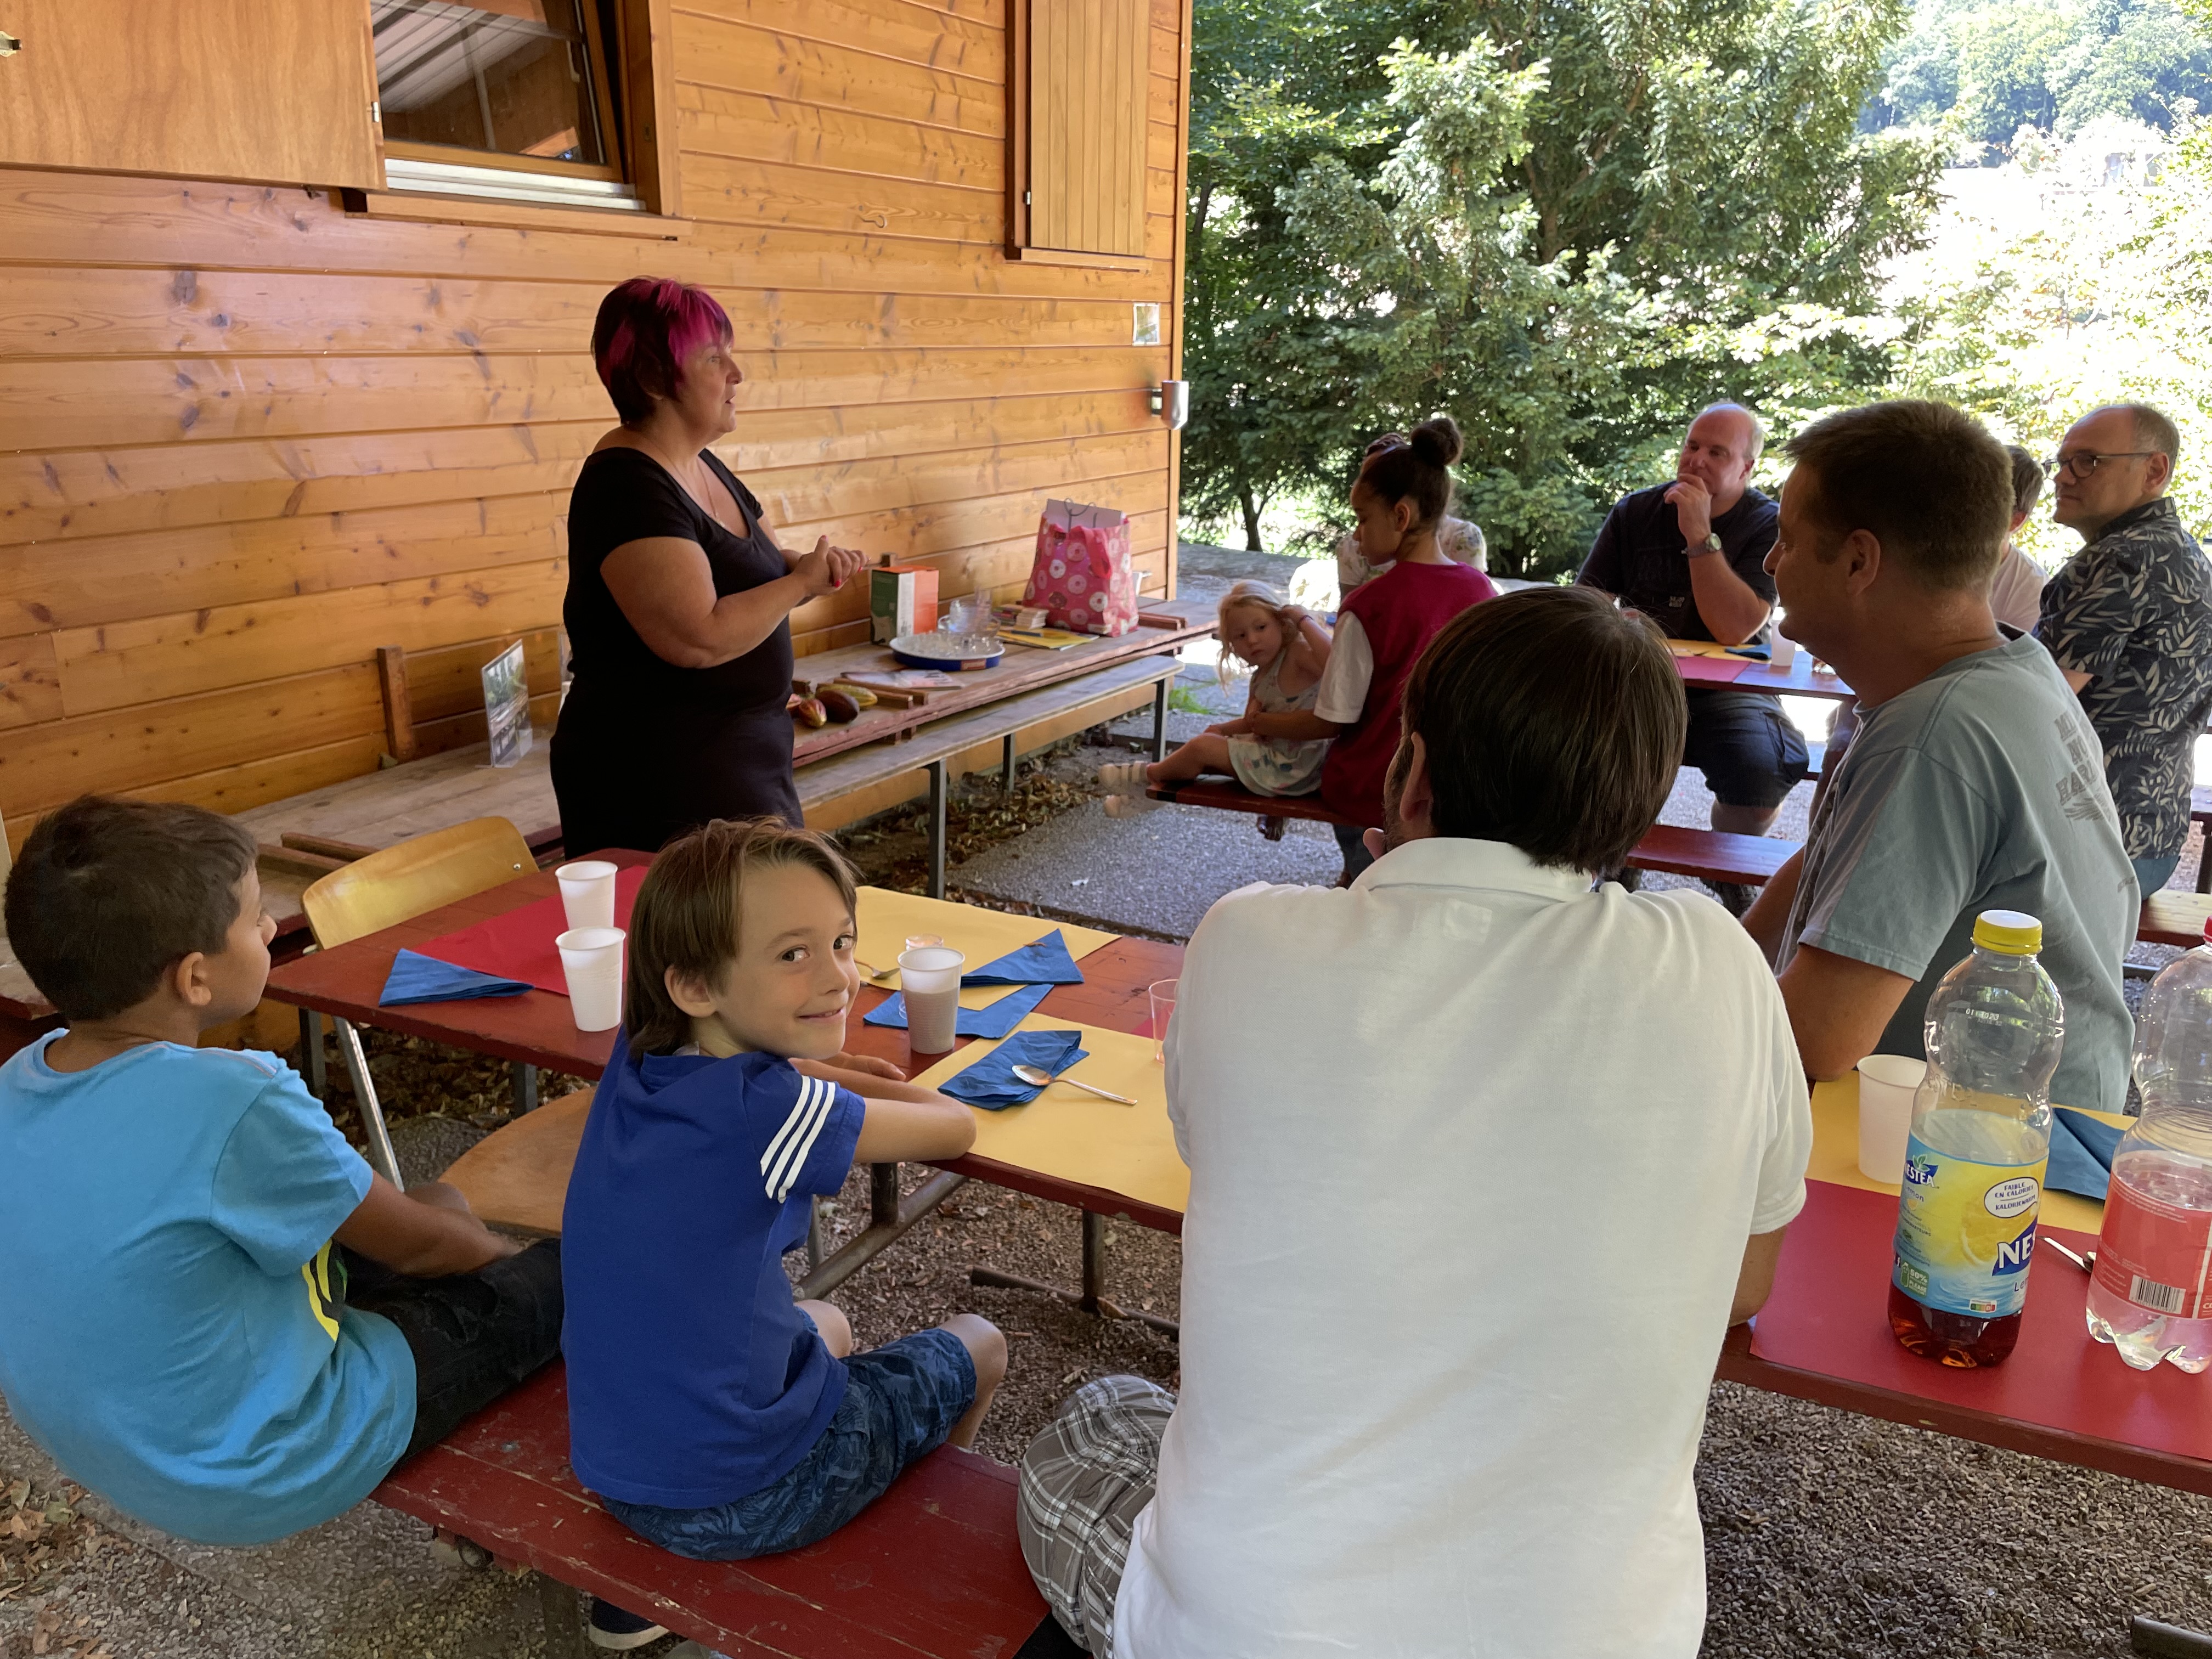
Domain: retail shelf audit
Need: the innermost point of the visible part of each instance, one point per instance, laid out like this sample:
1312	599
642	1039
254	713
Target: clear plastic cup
587	893
923	941
1887	1083
1163	995
929	977
592	963
1783	650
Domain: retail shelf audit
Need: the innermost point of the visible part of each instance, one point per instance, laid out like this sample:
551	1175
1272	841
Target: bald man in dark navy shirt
1691	554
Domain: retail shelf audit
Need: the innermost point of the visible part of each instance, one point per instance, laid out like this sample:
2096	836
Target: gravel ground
1826	1534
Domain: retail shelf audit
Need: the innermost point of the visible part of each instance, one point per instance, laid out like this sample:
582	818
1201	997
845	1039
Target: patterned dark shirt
2133	609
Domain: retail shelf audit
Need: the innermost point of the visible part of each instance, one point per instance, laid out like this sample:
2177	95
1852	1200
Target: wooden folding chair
389	887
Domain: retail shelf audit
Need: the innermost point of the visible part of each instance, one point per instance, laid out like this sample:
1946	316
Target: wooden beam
398	714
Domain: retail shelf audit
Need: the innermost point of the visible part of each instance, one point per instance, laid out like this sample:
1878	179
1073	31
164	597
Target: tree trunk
1251	520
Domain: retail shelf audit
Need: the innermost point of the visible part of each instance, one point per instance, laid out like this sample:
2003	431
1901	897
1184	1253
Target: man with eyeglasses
2128	621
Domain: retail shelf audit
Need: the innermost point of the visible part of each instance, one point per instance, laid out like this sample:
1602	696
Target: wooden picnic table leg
2167	1641
1094	1262
561	1608
1160	719
312	1066
522	1079
937	792
1006	767
888	1219
1092	1298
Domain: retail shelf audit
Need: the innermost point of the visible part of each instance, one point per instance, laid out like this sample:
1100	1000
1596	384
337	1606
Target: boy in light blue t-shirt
193	1249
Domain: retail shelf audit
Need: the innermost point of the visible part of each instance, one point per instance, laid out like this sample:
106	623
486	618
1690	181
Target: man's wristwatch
1699	549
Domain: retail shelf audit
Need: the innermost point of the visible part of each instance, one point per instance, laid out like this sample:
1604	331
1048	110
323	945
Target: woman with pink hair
679	598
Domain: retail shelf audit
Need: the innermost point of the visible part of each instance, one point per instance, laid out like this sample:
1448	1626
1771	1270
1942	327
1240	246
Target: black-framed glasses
2082	463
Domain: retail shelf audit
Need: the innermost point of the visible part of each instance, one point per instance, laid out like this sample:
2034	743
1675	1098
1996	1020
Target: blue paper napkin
996	1021
990	1083
417	978
1041	962
2081	1149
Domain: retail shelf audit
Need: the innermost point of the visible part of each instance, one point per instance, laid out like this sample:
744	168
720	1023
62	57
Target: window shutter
279	91
1087	66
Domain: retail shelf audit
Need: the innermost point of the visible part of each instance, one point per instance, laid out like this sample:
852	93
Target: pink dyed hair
646	328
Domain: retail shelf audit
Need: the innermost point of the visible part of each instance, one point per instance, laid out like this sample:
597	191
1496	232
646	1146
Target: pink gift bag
1082	578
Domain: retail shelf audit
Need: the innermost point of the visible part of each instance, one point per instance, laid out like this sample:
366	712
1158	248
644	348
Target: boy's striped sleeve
812	1147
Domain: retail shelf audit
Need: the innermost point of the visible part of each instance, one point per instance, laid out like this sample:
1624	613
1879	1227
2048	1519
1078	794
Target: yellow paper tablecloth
1697	648
1073	1136
888	920
1836	1156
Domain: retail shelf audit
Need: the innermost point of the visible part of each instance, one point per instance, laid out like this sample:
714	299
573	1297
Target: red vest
1400	610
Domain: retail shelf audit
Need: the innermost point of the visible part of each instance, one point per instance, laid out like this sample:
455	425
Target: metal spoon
1039	1077
873	973
2087	1263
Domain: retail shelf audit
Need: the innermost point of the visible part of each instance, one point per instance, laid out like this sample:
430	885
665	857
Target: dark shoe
1272	828
1735	896
613	1628
1629	877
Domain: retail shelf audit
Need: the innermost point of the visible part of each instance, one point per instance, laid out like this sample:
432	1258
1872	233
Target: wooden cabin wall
246	439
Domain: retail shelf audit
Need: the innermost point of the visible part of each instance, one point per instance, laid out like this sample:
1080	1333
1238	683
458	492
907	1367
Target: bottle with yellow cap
1981	1139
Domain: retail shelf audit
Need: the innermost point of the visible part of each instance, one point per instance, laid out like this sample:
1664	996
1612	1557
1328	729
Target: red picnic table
1702	663
518	1176
1824	1335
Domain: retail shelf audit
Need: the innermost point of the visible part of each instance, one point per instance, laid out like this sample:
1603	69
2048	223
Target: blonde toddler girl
1287	650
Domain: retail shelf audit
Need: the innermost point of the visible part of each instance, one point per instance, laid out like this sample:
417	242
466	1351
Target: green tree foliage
2060	290
1569	225
2054	65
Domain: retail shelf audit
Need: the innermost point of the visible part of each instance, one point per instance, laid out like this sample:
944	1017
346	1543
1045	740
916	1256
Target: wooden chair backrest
388	887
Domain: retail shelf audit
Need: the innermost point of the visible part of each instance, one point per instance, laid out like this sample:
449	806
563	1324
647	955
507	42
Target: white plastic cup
587	893
1782	651
929	977
1887	1083
592	963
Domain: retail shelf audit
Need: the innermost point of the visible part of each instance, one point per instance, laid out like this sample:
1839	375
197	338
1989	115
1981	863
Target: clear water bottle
1980	1142
2150	1297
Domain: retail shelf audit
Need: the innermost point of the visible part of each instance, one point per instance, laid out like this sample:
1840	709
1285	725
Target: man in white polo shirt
1482	1164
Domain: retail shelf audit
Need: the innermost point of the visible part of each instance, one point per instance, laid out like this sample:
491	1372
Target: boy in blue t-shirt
192	1250
712	1413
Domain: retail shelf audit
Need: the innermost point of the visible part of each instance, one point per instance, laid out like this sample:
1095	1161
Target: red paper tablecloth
519	945
1828	1314
1711	671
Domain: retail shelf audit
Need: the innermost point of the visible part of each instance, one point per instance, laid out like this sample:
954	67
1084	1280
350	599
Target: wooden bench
843	772
1708	854
932	1568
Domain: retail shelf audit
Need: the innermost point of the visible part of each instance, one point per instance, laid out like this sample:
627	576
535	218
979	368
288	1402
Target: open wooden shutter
1085	96
270	91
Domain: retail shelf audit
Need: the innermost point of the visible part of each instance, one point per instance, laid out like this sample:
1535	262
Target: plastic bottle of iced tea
1980	1140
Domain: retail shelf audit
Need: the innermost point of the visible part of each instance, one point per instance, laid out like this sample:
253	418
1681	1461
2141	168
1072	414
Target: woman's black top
645	749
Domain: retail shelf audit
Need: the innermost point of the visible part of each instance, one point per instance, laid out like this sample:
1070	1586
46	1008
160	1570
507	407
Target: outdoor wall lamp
1172	399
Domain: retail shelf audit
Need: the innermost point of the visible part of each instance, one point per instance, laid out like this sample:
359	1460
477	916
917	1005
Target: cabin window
545	102
514	77
1078	89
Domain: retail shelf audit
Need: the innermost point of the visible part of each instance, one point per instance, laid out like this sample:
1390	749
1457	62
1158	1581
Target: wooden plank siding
246	439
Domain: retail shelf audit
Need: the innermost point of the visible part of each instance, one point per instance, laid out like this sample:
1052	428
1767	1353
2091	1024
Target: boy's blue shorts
901	1400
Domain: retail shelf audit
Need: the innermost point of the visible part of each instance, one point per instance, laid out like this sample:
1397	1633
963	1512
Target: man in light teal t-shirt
1975	782
1981	788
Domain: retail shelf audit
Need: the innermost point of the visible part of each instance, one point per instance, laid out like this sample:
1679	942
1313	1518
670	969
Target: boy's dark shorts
1750	753
474	1336
901	1400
